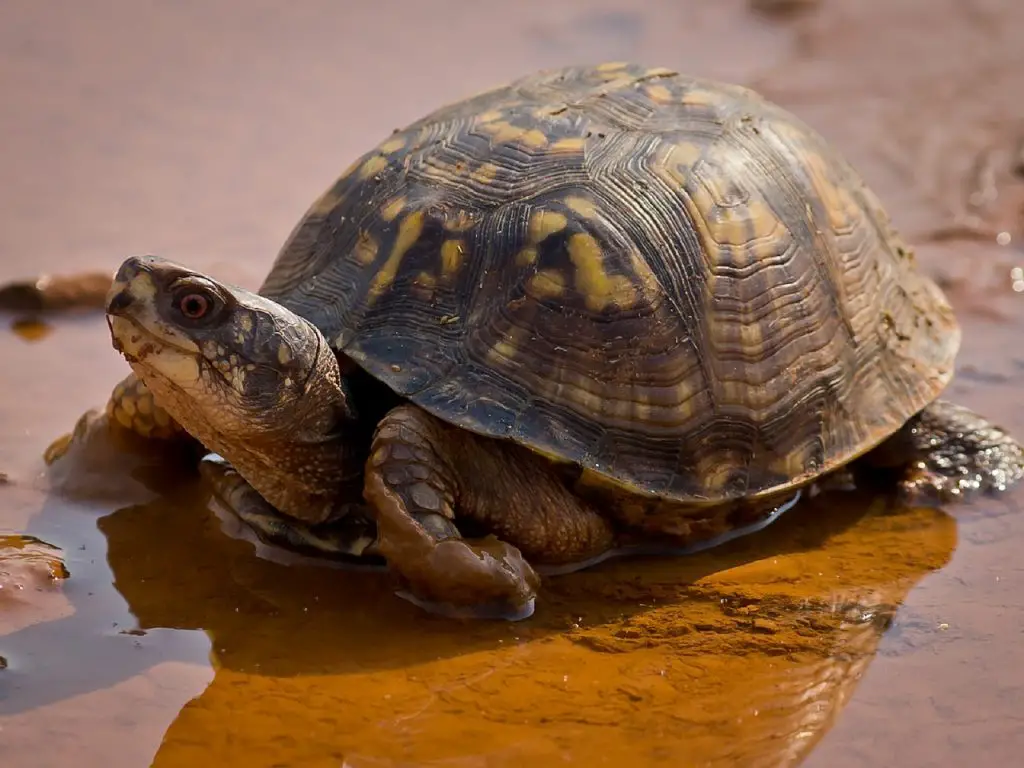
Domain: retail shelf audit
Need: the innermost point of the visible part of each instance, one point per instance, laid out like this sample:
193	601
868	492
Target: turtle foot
957	455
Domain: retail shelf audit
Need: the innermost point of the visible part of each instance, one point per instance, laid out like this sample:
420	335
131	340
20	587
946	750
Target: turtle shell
666	280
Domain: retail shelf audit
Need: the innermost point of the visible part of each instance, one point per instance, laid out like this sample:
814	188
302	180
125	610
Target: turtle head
249	379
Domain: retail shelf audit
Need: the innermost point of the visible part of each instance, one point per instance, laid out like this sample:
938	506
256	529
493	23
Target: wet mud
137	629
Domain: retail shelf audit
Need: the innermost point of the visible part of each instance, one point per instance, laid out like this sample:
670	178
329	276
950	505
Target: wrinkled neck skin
312	468
304	457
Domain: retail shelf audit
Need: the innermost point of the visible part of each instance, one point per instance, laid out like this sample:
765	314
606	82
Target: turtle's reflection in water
742	655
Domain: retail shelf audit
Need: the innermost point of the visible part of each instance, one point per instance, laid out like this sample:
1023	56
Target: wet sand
848	634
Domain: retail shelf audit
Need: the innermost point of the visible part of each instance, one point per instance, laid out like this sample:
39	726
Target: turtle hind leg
132	406
948	453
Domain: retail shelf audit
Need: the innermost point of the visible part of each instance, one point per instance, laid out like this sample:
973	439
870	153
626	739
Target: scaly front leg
424	477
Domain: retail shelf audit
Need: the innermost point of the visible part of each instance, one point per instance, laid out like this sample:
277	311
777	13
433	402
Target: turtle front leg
349	538
947	453
132	406
425	476
131	412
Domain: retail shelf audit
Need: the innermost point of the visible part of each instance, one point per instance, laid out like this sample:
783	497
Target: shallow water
847	634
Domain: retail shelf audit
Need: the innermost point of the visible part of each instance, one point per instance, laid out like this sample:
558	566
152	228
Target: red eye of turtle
193	305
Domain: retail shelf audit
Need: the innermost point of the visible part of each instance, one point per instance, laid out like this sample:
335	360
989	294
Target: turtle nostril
119	302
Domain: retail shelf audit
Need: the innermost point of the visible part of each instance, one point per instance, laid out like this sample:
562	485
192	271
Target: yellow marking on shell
527	256
246	323
751	336
460	222
660	72
645	280
612	66
373	166
424	284
701	97
641	407
326	203
569	144
426	134
408	233
366	248
685	155
426	279
391	210
838	203
598	288
284	355
549	110
589	478
504	132
577	389
485	173
685	402
659	94
535	139
698	204
505	349
716	468
545	223
451	257
741	224
554	458
770	247
392	145
490	116
546	284
582	206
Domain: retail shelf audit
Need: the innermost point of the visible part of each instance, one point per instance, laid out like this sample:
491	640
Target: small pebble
783	8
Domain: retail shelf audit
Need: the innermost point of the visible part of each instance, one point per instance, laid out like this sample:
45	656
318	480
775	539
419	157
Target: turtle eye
194	306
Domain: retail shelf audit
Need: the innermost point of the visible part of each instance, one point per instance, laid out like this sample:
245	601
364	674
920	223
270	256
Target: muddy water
849	634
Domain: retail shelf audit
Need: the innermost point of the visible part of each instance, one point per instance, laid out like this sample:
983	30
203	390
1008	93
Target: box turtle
597	310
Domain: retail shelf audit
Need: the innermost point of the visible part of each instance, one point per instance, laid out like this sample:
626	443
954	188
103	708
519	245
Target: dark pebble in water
783	8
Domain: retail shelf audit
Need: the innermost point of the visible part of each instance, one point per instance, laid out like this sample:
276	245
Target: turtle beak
127	298
132	283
